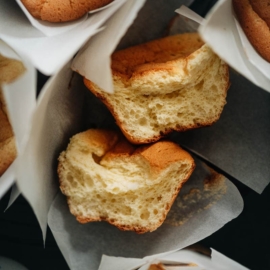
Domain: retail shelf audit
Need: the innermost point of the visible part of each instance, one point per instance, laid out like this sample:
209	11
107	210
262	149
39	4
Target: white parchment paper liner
223	33
217	261
245	117
53	122
47	28
49	52
20	97
97	66
52	29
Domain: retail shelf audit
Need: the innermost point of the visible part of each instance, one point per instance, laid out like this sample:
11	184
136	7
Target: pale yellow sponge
106	178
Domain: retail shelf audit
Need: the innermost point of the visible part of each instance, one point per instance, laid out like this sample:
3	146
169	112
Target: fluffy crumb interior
190	94
126	192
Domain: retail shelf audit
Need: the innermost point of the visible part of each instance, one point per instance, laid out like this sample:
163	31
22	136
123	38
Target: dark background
244	239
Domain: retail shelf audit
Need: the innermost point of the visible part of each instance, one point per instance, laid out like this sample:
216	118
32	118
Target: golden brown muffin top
156	54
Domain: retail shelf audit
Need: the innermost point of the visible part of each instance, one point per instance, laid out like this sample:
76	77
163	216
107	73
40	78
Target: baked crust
159	54
262	8
254	26
61	10
10	69
8	153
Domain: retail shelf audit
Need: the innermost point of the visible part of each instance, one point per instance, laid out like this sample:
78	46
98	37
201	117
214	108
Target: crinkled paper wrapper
175	261
20	96
65	107
223	33
49	46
